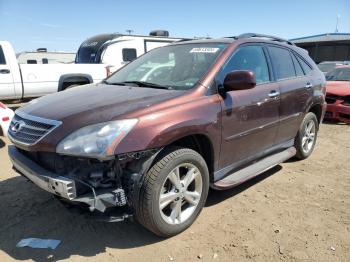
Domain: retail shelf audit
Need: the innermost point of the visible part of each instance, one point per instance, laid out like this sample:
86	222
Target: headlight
98	140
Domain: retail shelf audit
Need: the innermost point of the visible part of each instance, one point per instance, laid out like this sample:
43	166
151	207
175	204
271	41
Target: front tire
306	138
173	192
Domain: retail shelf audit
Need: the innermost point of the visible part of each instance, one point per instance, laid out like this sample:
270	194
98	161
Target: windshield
339	74
177	67
326	67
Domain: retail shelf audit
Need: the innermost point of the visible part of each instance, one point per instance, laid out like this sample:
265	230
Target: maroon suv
152	138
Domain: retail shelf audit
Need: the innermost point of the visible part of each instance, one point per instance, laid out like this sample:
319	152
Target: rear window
129	54
2	57
282	63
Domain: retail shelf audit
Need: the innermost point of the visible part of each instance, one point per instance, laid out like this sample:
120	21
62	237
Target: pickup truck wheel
306	138
173	192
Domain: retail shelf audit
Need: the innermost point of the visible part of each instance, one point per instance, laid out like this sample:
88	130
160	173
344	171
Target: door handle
4	71
308	86
274	94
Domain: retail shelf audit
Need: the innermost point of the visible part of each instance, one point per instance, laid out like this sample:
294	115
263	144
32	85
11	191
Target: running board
253	170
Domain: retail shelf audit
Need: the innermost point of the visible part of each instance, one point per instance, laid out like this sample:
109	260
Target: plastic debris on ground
38	243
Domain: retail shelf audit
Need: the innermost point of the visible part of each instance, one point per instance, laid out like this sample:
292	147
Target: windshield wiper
114	83
146	84
138	83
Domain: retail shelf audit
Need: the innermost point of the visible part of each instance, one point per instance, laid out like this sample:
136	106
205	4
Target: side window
45	61
282	63
248	58
2	57
31	61
297	66
304	65
129	54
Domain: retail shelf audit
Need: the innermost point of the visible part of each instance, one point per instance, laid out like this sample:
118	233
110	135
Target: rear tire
306	138
173	192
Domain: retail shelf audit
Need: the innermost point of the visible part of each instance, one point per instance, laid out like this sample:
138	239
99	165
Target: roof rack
273	38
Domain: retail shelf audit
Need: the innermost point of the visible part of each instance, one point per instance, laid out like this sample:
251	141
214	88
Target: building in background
326	47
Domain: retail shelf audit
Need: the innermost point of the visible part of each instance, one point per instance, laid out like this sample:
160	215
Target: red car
338	94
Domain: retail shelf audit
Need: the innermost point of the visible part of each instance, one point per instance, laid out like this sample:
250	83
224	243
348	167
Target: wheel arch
73	78
202	145
317	110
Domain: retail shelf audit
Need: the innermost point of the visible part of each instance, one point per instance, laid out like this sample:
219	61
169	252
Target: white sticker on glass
204	50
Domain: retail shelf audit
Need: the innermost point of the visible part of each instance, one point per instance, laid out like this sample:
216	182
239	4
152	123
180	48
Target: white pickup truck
20	81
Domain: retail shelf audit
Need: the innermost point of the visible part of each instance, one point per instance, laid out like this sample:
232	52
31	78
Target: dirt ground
298	211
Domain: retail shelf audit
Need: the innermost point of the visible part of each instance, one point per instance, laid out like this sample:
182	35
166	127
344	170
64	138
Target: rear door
249	117
7	86
295	88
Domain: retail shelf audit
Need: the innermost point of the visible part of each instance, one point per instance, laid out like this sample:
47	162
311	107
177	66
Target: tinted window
282	63
298	69
248	58
307	68
2	57
129	54
45	60
91	49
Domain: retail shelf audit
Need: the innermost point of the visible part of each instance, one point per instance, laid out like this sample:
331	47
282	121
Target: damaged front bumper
338	112
65	187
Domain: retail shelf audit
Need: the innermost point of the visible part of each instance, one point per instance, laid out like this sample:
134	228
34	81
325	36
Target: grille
331	99
28	130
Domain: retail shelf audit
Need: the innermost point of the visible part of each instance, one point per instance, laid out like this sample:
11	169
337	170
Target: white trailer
116	50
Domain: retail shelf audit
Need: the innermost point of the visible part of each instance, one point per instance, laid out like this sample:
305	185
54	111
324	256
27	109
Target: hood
96	103
341	88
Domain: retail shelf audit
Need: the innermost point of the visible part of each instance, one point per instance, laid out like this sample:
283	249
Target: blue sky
64	24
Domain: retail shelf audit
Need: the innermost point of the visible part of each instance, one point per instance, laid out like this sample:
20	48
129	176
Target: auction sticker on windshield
204	50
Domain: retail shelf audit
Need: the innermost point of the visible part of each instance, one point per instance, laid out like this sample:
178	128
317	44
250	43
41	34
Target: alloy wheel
308	139
180	193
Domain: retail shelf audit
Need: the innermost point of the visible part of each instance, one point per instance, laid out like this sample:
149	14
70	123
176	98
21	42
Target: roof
206	40
322	38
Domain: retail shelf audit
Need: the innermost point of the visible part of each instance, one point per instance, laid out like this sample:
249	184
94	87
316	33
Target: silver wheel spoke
174	178
166	199
190	176
304	142
176	212
309	127
192	197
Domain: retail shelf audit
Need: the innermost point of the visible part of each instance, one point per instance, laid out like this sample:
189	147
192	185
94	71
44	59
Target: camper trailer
116	50
42	56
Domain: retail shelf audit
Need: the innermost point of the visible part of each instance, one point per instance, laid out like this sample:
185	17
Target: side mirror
239	80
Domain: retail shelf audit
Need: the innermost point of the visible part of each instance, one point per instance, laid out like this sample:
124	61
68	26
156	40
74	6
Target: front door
249	117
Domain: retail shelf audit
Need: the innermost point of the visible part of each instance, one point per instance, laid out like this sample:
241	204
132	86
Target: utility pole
129	31
336	25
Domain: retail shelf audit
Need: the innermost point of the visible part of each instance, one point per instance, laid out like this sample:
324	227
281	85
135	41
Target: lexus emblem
17	126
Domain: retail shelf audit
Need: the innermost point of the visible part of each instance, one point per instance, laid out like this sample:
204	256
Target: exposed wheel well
317	110
73	79
202	145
